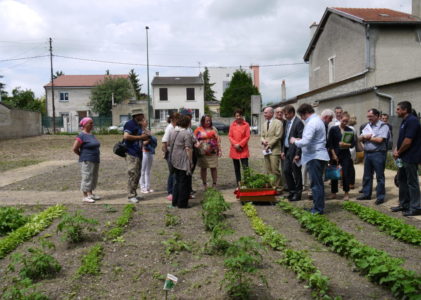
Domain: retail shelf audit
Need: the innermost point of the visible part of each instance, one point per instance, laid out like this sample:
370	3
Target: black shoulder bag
120	148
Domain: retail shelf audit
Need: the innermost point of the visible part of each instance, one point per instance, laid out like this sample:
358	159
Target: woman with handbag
210	144
181	158
239	135
86	146
341	139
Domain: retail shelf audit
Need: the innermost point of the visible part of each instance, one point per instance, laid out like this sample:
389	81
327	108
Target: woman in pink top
239	135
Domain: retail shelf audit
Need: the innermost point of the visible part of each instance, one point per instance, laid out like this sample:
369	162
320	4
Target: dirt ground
133	269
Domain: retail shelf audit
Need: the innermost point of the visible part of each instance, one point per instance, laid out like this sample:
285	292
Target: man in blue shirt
133	137
314	153
374	136
409	151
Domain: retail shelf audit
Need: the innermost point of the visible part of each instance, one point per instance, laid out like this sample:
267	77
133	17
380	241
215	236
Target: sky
183	37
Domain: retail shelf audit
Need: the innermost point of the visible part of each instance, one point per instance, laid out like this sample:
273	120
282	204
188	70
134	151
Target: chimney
156	74
416	8
256	75
283	91
313	28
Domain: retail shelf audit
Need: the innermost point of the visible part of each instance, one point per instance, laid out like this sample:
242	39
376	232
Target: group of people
295	145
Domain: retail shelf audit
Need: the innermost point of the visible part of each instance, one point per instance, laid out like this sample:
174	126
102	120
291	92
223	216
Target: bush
74	226
11	218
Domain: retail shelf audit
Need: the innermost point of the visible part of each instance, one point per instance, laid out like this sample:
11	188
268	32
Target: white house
71	97
172	93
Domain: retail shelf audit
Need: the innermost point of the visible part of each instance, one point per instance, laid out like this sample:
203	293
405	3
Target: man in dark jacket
291	154
408	151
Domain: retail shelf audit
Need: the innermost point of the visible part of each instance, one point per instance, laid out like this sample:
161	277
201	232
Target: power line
169	66
22	58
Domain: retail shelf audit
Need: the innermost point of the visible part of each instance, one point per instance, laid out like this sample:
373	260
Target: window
190	93
163	94
331	69
162	114
64	96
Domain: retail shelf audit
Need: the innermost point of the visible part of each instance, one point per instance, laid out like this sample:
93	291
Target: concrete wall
16	123
124	109
397	54
344	40
407	91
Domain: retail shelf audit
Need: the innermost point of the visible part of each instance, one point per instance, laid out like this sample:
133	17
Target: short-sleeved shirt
380	129
89	149
133	147
181	138
410	128
208	139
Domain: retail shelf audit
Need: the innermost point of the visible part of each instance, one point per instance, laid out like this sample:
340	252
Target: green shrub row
392	226
377	265
91	262
11	218
121	223
37	224
213	205
297	260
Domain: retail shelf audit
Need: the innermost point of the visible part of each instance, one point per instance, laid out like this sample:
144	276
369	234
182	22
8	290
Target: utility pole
52	87
147	75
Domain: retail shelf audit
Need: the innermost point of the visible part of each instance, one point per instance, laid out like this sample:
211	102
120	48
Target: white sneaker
95	197
151	190
133	200
89	200
144	191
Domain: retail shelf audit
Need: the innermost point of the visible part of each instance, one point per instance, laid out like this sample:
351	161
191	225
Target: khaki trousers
272	162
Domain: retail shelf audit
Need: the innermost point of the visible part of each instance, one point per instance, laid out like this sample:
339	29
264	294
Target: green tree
134	80
25	99
238	94
101	95
58	74
209	93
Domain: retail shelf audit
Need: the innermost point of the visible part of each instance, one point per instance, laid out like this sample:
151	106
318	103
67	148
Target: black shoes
364	198
378	202
294	197
397	208
412	213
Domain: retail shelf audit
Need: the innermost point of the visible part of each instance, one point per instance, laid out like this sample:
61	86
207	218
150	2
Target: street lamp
147	75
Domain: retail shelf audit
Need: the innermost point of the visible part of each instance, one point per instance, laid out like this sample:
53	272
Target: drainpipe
391	102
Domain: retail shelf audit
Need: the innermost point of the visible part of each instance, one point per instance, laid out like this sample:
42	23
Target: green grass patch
13	164
120	224
11	218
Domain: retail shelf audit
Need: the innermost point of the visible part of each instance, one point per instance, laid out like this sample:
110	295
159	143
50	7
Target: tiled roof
178	80
82	80
378	14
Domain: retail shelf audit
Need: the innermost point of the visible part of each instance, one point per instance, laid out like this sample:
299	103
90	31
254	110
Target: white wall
78	100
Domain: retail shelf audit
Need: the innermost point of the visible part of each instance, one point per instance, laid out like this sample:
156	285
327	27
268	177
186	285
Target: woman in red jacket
239	135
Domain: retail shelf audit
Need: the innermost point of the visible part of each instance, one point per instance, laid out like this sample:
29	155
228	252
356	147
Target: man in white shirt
314	153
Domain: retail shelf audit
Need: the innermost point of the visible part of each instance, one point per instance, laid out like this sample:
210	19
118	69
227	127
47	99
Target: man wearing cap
133	137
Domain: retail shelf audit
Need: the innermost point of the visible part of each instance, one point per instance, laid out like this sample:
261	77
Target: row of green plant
297	260
91	262
242	257
392	226
37	224
11	218
377	265
114	233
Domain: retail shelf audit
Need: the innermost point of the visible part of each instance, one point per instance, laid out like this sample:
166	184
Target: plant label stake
169	283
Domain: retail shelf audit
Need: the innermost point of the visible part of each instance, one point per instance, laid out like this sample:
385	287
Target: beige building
362	58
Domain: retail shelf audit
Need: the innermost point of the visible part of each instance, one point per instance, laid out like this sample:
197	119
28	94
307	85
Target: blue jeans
409	187
316	169
374	162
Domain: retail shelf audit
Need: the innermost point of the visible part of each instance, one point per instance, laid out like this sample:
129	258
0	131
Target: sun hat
136	111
